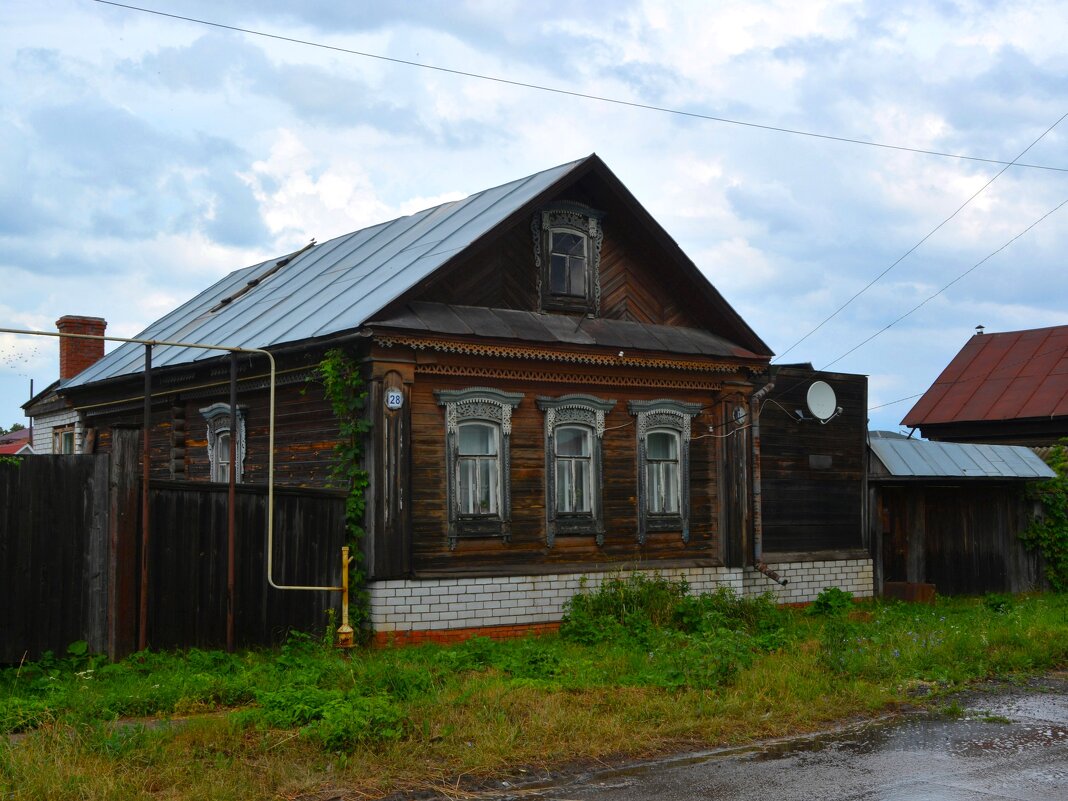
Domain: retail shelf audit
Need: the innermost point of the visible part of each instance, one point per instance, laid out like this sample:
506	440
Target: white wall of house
407	605
44	427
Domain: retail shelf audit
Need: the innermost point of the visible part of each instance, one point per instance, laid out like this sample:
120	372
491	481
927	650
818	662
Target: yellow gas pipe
344	631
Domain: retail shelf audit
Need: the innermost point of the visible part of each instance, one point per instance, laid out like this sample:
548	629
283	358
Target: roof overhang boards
591	366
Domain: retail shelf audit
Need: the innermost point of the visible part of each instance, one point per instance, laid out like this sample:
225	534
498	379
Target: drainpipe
758	521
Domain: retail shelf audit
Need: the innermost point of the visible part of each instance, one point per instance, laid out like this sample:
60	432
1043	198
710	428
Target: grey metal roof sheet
328	288
440	318
916	458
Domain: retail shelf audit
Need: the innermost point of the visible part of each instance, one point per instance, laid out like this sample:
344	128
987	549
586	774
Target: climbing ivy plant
344	389
1048	532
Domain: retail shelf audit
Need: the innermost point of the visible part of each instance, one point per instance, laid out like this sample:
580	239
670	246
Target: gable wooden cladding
526	550
634	282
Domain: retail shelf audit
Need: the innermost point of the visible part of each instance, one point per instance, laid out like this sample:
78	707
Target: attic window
567	253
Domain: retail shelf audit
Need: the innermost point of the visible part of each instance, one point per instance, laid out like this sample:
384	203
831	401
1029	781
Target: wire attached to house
581	95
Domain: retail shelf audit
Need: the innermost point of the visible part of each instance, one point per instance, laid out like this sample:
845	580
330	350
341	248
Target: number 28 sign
394	399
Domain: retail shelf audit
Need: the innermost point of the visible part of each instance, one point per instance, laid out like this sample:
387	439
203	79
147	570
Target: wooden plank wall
187	567
964	539
813	475
53	555
527	550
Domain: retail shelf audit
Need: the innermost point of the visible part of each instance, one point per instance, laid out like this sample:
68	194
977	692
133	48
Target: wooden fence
53	554
70	558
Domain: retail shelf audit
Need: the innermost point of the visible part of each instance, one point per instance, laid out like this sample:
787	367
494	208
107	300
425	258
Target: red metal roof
1006	376
14	441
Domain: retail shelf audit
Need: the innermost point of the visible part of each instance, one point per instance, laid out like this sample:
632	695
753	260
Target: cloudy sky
142	157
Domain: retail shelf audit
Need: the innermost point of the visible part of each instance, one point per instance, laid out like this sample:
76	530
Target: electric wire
573	93
930	233
928	299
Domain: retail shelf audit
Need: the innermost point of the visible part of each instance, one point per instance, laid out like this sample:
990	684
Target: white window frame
663	415
218	419
493	407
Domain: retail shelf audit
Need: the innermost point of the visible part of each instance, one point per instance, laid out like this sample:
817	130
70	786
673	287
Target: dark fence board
187	568
53	555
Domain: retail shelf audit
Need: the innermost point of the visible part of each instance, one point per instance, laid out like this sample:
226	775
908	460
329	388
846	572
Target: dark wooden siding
187	570
527	549
53	554
813	475
634	283
964	539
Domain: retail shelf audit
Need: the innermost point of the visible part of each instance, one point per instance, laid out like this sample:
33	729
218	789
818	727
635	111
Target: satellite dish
821	401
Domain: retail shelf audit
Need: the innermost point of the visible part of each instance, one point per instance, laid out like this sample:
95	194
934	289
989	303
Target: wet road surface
1008	744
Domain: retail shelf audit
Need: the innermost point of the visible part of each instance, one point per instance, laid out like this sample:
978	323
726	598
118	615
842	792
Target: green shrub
832	601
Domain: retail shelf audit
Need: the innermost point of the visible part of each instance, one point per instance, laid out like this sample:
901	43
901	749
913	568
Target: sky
144	157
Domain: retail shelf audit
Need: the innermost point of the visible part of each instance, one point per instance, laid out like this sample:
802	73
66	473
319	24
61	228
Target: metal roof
917	458
326	288
440	318
1010	375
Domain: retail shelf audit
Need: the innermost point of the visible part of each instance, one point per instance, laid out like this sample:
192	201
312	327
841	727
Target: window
574	428
222	453
664	465
479	469
478	427
63	440
567	252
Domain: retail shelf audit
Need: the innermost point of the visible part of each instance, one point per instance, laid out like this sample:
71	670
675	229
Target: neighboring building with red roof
1009	387
15	443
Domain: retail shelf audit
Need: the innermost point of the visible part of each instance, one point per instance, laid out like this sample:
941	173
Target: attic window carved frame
478	434
583	415
567	255
664	469
225	447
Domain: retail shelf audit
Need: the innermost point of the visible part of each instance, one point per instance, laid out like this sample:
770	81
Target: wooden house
555	391
1007	388
949	516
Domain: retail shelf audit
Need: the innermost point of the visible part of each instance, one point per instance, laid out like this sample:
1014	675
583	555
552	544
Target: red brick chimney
77	354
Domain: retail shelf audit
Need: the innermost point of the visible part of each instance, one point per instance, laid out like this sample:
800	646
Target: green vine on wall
1048	532
344	388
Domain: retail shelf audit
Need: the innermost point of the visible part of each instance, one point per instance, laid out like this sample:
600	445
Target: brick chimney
76	354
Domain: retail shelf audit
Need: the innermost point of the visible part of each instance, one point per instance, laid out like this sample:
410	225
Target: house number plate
394	399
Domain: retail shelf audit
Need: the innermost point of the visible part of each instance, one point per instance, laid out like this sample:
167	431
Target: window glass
477	439
573	470
221	468
662	472
478	470
567	264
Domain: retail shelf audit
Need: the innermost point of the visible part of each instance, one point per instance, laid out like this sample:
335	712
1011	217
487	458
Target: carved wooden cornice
554	377
535	353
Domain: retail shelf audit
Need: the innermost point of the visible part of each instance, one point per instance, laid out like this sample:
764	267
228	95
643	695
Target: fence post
122	542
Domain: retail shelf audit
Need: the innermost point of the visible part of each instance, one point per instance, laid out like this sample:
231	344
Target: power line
930	233
927	300
891	403
572	93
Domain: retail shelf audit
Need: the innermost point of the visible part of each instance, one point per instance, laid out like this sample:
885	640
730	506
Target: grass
639	668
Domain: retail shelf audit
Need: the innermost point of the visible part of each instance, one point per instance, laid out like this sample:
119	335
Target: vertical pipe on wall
146	453
231	508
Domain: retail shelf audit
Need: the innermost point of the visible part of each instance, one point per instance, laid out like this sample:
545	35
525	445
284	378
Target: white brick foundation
806	580
407	605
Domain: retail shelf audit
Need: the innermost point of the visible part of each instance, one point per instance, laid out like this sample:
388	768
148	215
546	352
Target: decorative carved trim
545	376
589	411
677	416
218	418
586	221
478	403
534	353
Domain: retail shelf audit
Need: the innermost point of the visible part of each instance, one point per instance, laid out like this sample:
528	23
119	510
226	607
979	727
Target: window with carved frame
567	253
478	430
574	430
663	432
226	447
